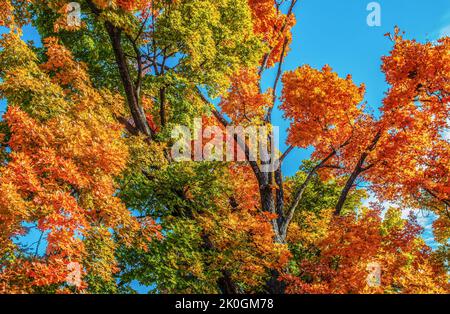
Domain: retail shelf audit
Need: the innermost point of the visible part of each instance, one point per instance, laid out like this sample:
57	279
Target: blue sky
336	33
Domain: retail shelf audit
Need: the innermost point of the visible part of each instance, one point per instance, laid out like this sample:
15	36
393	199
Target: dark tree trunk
275	286
162	108
132	98
346	190
137	112
359	168
226	285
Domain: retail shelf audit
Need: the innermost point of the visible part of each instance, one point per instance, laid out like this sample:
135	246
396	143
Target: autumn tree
88	128
65	149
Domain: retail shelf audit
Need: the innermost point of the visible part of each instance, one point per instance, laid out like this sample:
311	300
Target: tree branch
282	29
356	172
446	202
290	214
242	144
275	83
286	153
131	94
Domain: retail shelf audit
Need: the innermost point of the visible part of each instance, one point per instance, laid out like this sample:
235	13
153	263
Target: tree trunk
137	112
136	109
275	286
226	285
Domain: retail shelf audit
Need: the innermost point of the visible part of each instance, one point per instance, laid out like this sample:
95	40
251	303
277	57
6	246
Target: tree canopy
85	155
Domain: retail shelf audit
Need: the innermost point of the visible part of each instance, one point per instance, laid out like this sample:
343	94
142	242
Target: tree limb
356	172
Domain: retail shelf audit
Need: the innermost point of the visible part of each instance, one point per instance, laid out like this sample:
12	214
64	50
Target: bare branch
356	172
275	83
286	153
299	194
281	32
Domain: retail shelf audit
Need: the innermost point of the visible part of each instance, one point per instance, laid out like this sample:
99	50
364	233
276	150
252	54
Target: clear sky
336	33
